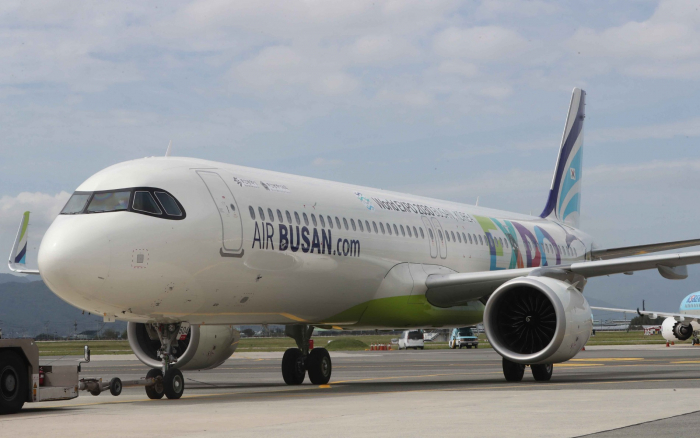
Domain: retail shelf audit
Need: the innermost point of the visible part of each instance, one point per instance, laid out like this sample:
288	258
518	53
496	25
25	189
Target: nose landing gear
297	361
167	381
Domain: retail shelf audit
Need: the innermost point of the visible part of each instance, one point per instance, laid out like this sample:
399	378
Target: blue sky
446	99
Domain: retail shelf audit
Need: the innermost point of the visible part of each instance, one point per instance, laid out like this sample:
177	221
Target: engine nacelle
204	347
673	330
537	320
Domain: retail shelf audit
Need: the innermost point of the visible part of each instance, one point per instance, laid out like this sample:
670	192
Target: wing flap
612	253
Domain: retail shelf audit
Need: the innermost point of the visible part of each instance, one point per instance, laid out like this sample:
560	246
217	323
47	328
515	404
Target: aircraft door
231	225
432	237
442	243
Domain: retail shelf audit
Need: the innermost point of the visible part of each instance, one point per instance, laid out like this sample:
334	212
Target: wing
458	289
679	316
18	256
612	253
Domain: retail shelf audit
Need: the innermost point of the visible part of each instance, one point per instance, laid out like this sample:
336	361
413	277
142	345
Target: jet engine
673	330
199	348
537	320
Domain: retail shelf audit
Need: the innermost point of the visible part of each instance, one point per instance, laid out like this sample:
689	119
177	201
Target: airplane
676	326
184	249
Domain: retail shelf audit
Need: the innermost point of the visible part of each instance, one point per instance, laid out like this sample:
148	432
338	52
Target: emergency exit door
231	225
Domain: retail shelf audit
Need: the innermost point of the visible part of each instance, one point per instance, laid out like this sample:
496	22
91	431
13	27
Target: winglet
18	256
167	152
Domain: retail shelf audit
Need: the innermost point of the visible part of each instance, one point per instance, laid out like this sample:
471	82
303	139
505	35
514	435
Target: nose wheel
166	381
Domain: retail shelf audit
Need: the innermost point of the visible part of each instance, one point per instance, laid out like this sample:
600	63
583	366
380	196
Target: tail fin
564	202
18	256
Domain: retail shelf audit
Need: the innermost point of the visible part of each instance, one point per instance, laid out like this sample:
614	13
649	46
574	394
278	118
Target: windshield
76	203
414	336
466	332
112	201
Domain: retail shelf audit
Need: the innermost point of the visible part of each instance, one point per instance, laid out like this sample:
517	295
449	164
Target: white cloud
681	128
485	43
667	45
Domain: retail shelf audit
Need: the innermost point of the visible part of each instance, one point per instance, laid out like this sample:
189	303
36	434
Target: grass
335	343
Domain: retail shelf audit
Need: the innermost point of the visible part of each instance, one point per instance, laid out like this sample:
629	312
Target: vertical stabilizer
18	256
564	201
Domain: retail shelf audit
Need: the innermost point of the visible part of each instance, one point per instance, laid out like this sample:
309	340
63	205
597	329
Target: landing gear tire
319	366
155	391
173	383
293	371
543	372
512	371
13	382
469	347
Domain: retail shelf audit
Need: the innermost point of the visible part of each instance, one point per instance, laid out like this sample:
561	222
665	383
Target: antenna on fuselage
167	152
477	201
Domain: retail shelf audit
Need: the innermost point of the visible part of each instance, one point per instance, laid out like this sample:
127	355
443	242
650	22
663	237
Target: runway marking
324	386
686	361
572	365
607	359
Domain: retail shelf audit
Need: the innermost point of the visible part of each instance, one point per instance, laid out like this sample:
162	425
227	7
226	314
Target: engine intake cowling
537	320
204	347
673	330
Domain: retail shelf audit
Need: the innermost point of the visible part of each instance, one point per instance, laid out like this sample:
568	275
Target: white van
411	339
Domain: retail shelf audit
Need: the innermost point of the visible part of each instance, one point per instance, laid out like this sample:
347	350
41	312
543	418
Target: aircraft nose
74	258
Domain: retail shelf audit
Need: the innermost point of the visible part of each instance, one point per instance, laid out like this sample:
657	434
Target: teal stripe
568	183
573	206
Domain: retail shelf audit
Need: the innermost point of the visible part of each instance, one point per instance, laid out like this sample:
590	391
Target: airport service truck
24	380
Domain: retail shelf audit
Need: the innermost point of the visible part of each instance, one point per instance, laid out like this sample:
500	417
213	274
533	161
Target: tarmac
607	391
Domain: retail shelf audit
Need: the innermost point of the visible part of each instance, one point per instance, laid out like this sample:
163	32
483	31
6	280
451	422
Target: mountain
28	308
11	278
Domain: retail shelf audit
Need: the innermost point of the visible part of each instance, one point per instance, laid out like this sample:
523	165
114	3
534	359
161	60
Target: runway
609	391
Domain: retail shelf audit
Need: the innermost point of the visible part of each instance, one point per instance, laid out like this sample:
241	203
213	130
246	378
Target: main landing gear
297	361
514	372
167	380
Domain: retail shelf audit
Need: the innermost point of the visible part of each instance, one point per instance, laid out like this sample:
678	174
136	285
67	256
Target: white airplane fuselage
219	265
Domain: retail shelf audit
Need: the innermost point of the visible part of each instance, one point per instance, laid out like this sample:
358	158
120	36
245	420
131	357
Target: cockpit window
110	201
76	203
146	200
168	204
143	201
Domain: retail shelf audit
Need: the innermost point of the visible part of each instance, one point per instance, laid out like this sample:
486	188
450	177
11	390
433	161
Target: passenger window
441	236
260	212
430	231
421	233
447	235
369	230
270	215
352	222
381	225
506	242
289	217
143	201
459	238
252	212
76	203
345	222
470	237
481	242
313	220
337	222
403	233
330	222
112	201
306	219
374	225
453	236
170	206
323	223
396	230
279	216
408	228
388	228
359	224
296	217
415	232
